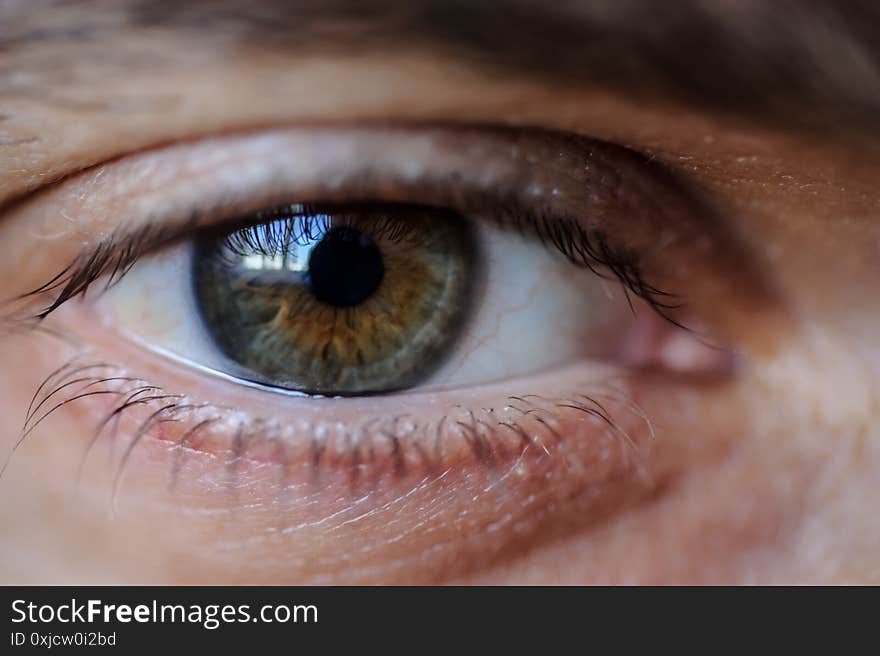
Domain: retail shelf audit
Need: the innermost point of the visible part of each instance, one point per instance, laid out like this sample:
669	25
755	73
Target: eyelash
527	425
307	224
589	249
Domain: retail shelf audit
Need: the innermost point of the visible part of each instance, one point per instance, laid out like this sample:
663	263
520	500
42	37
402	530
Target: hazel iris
338	299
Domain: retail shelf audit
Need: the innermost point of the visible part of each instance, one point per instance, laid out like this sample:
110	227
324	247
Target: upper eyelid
612	172
543	176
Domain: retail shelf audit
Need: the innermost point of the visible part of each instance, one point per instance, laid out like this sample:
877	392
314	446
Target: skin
767	477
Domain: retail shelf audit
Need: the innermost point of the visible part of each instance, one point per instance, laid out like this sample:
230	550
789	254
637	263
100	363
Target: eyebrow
813	64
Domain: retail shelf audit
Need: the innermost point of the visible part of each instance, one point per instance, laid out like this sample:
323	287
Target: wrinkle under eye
338	300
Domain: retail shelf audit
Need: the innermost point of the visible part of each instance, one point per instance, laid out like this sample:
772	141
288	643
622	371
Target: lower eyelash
523	434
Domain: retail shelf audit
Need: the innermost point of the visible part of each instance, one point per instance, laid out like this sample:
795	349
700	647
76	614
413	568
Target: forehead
792	62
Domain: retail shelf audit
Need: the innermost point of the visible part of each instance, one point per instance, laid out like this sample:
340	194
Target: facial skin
764	470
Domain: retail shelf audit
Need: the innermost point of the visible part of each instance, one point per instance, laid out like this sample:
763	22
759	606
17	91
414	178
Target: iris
338	300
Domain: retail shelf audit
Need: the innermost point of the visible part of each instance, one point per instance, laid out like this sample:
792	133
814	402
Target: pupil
345	267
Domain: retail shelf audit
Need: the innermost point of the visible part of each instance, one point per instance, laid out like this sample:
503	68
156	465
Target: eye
363	261
337	300
342	300
419	265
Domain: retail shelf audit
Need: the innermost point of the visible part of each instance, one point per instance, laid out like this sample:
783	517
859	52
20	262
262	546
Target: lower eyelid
517	468
416	433
513	463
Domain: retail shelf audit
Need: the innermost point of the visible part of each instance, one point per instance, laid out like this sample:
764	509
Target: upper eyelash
304	223
587	248
114	256
591	249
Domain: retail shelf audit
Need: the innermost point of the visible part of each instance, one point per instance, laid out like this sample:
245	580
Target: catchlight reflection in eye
337	301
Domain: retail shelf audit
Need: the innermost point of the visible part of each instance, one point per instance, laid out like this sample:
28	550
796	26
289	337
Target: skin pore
765	477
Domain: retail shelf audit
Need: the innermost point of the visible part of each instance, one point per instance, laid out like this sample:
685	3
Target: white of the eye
534	312
537	311
154	305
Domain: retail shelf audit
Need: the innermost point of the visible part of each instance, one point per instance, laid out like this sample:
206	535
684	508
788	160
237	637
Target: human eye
399	280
